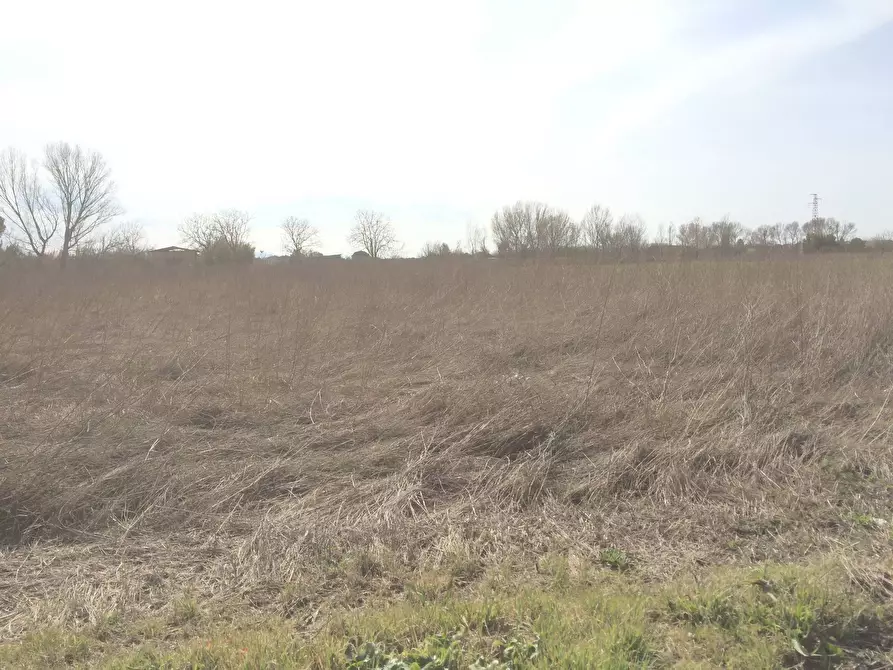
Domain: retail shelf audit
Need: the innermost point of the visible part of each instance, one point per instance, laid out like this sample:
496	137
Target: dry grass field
448	464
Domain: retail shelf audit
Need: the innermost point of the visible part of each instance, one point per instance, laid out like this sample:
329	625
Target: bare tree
764	236
556	231
631	233
83	191
435	250
527	227
599	231
791	234
840	231
883	241
299	238
198	231
128	239
693	235
767	236
814	229
824	233
724	233
25	204
597	227
233	227
94	247
514	228
229	227
476	239
374	234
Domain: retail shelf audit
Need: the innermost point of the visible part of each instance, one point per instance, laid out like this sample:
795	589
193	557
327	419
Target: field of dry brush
312	444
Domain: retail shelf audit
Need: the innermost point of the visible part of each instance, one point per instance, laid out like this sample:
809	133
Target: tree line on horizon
66	205
533	228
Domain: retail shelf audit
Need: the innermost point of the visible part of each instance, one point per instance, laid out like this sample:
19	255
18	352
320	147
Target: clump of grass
292	598
869	521
615	559
437	653
558	568
444	652
184	610
46	649
631	649
718	609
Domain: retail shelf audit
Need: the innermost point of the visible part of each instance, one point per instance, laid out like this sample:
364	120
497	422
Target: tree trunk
63	255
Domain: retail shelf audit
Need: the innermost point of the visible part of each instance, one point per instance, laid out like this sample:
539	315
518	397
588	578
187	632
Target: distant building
172	255
326	257
274	260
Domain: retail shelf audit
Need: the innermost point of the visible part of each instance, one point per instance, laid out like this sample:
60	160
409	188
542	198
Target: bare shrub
126	239
436	250
220	237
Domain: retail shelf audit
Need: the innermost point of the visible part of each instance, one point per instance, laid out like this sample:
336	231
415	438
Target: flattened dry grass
336	432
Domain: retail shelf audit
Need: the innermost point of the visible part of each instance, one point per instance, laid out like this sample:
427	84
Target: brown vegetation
231	432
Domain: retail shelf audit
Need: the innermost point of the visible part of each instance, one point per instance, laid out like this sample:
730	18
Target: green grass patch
616	559
774	616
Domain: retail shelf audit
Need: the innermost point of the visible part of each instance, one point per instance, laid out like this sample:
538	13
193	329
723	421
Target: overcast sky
439	113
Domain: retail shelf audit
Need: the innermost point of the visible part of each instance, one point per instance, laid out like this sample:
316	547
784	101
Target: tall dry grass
230	429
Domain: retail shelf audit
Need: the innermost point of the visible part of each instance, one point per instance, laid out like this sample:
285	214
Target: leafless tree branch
597	228
476	238
299	238
202	231
528	227
82	191
25	204
127	239
374	234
